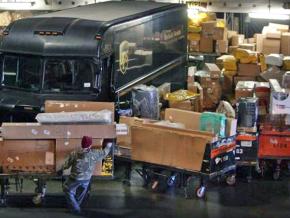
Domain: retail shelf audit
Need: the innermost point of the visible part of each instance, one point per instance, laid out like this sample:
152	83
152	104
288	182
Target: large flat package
40	156
168	147
38	131
74	106
103	116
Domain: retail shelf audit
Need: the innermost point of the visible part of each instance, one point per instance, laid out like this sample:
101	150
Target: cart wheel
276	175
126	182
200	192
231	180
192	184
37	200
3	202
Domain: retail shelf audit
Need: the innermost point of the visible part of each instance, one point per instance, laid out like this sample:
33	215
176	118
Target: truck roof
76	28
110	11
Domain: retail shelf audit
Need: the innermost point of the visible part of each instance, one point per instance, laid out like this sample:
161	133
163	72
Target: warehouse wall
253	26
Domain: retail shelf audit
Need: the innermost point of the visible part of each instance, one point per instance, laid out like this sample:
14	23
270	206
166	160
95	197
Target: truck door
1	68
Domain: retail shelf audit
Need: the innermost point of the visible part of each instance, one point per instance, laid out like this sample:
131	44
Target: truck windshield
69	75
50	74
22	72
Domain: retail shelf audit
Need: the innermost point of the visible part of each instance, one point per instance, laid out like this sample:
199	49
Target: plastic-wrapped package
146	102
227	109
213	122
247	112
230	63
286	80
180	95
273	72
275	59
103	116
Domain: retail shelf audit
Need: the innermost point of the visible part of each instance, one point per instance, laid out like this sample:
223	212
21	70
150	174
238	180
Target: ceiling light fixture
269	16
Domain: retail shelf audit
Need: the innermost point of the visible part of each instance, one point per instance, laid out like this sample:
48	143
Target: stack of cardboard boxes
212	38
274	38
210	82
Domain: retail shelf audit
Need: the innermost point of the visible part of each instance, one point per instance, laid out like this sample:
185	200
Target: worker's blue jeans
71	188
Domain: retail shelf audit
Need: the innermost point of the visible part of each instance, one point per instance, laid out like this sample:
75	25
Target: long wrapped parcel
103	116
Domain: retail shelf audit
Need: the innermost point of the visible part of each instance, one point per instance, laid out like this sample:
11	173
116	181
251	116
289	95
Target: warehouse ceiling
235	6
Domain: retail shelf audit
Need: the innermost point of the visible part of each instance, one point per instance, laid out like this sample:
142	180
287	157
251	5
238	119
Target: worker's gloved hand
59	172
109	144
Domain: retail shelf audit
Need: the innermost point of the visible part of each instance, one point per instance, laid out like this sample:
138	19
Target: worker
82	163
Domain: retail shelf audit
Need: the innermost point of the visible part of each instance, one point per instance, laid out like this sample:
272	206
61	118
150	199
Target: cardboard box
213	70
273	34
259	42
206	44
248	46
243	78
231	33
192	104
232	49
228	84
208	28
237	39
251	40
196	88
168	147
244	89
194	45
203	77
193	36
125	140
212	95
222	46
28	156
271	46
74	106
191	120
220	33
279	27
285	44
38	131
249	69
280	99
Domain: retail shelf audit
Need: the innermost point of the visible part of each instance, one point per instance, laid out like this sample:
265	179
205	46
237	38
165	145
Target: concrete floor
259	199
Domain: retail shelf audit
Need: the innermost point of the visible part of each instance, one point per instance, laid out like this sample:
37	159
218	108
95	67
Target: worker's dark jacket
83	162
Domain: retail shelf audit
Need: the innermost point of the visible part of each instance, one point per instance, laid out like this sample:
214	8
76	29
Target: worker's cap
87	141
